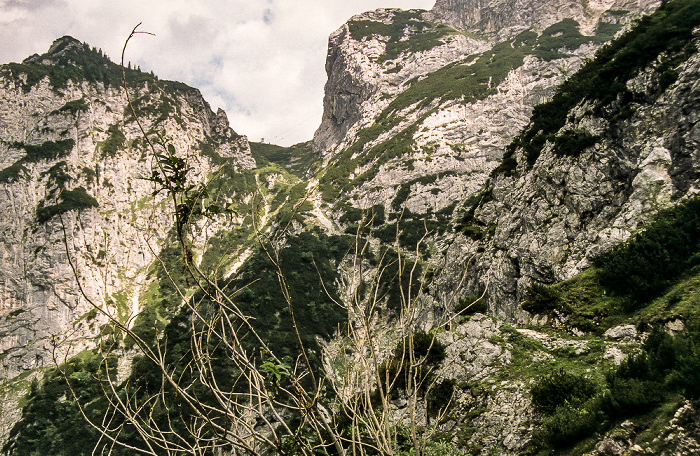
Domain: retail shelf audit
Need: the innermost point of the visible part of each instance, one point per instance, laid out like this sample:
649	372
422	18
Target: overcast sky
263	61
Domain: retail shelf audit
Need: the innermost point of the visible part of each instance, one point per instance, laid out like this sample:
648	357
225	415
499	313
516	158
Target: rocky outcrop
111	225
550	220
377	97
497	17
360	84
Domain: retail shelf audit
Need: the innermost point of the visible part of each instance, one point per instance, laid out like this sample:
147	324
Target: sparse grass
407	33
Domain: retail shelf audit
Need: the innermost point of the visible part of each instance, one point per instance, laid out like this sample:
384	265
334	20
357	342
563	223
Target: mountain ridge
509	204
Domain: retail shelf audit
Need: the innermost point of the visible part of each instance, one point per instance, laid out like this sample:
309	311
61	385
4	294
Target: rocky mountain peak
60	45
67	51
221	126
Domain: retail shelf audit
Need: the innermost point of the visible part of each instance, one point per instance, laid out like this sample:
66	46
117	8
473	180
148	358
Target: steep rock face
73	147
487	16
417	114
548	221
362	77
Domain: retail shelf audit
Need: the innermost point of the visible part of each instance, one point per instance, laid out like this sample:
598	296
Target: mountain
502	193
621	150
411	98
71	146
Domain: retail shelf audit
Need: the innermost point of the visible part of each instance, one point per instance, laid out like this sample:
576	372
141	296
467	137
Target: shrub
114	142
12	173
469	305
73	106
560	387
48	150
474	233
668	31
568	424
440	395
629	396
540	298
573	142
425	347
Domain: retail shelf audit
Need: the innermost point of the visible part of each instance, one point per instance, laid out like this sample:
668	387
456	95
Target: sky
262	61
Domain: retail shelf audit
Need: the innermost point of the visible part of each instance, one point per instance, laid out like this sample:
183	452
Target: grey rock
493	16
625	332
40	304
551	220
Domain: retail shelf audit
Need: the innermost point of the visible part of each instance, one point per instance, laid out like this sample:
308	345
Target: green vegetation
653	277
68	200
72	107
466	223
58	177
573	142
574	406
114	142
473	79
654	258
478	76
422	348
559	387
65	200
48	150
13	173
308	260
51	422
296	159
353	157
410	232
71	61
162	107
467	81
470	305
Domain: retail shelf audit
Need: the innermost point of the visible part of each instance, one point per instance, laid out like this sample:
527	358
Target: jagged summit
67	50
65	43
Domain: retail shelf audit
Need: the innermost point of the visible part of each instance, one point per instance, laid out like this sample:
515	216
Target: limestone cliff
410	99
429	123
75	170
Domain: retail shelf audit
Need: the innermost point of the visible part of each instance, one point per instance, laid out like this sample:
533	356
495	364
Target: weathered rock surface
550	220
455	140
491	17
110	246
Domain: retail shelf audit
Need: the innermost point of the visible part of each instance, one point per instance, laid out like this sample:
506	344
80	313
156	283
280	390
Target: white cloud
260	60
